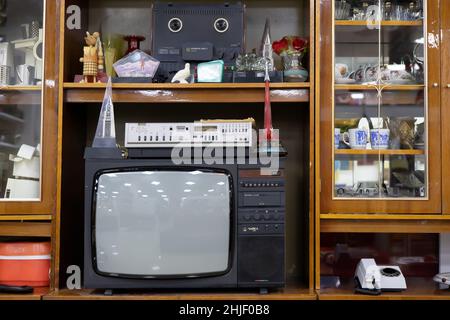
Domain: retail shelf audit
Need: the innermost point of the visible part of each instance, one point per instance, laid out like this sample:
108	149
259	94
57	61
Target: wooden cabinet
29	86
293	114
445	103
380	108
28	108
364	207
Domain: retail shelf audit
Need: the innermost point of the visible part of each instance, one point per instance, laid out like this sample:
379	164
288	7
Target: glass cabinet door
380	112
21	112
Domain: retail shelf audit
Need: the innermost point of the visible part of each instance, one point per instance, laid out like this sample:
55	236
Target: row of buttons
151	138
265	216
204	138
262	184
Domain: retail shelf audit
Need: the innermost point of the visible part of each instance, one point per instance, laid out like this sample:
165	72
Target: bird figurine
183	74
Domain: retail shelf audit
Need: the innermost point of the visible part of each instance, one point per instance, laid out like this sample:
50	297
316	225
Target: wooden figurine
93	57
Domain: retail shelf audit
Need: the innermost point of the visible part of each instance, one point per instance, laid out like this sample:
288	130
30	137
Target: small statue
182	75
93	57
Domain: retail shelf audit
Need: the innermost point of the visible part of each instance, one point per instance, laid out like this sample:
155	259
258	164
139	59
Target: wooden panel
187	95
391	226
312	145
193	86
20	88
49	126
445	103
25	217
37	294
432	205
25	97
284	294
25	229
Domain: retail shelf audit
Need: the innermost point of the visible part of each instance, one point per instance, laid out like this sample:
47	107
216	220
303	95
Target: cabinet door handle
435	85
448	85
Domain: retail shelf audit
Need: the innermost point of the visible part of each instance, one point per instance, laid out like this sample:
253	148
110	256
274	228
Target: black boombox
196	33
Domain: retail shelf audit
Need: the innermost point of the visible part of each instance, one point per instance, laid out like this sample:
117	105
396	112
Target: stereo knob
257	217
247	217
266	216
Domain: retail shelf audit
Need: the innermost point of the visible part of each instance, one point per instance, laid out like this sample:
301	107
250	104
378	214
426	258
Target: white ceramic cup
379	139
357	138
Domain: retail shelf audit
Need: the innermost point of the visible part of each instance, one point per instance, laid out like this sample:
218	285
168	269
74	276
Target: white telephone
373	279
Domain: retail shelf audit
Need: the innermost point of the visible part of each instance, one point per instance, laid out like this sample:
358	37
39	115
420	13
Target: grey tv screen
162	223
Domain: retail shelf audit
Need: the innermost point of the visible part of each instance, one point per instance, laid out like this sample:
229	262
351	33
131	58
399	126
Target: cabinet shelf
37	217
187	93
406	152
282	294
26	229
37	294
352	87
384	23
417	289
20	88
373	224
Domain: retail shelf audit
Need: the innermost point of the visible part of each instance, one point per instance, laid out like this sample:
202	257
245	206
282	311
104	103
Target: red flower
280	46
299	44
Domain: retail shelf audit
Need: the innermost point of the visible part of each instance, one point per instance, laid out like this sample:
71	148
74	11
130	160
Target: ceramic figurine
182	75
93	57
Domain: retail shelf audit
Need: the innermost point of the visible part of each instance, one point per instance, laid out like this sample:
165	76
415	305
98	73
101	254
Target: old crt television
152	224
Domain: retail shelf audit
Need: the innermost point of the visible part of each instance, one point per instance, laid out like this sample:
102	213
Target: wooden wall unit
304	112
293	109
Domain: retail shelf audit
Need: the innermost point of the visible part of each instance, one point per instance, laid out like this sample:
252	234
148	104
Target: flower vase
293	69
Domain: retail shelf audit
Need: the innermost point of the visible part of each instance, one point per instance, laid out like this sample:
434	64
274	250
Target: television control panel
264	215
186	134
261	202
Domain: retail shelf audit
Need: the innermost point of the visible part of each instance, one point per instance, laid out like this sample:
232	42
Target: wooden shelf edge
377	152
383	296
357	216
396	23
37	294
188	95
418	288
85	294
193	86
384	226
20	88
26	229
28	217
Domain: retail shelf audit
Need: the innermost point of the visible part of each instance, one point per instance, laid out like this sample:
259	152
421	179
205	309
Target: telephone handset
373	279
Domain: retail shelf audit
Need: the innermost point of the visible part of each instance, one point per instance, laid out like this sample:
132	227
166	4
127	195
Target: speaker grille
261	259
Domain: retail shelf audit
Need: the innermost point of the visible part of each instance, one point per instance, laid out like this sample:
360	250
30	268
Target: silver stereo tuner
220	133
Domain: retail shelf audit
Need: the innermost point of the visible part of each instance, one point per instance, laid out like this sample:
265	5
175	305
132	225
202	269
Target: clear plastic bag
136	64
